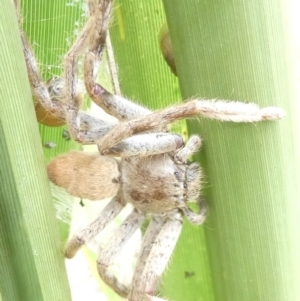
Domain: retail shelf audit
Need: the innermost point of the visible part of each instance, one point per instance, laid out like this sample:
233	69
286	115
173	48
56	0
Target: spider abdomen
85	175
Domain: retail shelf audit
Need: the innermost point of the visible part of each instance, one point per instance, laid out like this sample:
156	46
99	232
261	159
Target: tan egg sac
47	118
85	175
55	88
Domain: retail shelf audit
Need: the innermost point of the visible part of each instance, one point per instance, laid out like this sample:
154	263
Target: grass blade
244	50
31	257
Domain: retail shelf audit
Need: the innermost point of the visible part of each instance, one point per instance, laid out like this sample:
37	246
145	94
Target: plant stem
147	79
31	259
243	50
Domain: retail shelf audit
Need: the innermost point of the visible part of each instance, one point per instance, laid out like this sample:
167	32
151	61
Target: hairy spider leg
70	65
115	244
148	241
196	218
219	109
94	35
191	147
38	87
112	209
116	106
41	92
154	144
147	145
155	256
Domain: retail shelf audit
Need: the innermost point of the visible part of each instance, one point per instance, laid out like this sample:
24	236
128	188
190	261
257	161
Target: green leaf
51	27
244	50
146	78
30	251
235	50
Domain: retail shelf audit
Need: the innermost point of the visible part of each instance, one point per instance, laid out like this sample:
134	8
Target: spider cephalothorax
158	183
151	172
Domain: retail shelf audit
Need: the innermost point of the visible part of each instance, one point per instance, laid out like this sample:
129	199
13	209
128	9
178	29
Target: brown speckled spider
152	172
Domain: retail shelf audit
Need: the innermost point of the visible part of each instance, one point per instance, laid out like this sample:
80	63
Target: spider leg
56	87
196	218
93	134
219	110
116	106
154	257
50	94
107	255
38	87
70	62
191	147
82	237
93	35
151	233
154	144
91	128
146	145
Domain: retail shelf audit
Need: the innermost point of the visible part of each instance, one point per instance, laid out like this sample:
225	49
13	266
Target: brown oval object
166	48
55	87
47	118
85	175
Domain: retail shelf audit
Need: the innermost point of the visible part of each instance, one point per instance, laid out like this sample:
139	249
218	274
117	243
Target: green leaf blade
31	257
243	51
146	78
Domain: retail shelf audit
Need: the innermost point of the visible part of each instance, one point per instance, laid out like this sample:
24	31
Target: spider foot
111	280
190	148
196	218
272	113
72	247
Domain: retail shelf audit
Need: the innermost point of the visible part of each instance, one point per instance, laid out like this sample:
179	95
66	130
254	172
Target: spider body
136	185
158	184
151	172
85	175
153	184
